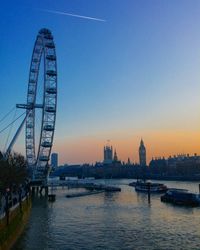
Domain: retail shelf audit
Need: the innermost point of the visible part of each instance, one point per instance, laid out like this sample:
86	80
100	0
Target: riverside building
108	154
54	160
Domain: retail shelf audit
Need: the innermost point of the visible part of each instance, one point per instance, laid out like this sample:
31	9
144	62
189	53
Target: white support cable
1	131
16	135
6	115
10	130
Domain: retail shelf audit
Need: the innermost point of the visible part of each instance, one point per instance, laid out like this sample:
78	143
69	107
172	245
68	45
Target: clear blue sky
136	74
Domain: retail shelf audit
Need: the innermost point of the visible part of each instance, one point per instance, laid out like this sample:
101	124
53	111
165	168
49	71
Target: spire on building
115	159
142	153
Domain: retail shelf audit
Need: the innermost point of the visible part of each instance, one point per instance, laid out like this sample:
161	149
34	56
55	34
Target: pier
86	185
84	194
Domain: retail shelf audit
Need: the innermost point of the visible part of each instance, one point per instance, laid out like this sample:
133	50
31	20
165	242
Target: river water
109	221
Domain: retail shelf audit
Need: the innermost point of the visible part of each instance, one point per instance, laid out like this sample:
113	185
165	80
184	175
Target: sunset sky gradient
136	74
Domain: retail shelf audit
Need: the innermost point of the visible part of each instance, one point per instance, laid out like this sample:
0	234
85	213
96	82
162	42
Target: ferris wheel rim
44	46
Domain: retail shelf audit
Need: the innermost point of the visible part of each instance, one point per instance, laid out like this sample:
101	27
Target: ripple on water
122	220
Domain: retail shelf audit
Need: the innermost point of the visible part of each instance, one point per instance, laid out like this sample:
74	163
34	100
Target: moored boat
143	186
132	184
181	197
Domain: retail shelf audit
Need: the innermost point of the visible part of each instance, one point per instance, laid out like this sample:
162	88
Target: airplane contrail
74	15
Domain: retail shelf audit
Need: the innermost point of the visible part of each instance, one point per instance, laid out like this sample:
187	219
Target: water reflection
111	221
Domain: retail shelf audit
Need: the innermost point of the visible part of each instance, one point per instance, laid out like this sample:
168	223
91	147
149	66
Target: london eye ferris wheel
37	156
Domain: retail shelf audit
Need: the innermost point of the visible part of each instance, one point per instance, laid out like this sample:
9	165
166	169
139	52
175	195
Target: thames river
109	221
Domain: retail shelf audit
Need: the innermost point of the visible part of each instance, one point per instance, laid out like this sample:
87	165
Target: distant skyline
134	74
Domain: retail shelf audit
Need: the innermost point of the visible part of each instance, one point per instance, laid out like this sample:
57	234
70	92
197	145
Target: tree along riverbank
15	202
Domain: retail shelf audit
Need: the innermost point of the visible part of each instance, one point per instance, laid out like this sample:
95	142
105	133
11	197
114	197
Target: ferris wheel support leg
15	137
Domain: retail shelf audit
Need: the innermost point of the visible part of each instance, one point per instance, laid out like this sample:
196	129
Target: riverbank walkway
13	202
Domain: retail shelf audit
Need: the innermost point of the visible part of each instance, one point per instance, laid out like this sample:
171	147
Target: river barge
181	197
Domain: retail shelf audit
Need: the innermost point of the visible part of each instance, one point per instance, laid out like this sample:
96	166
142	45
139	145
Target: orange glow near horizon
157	143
